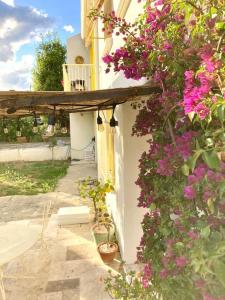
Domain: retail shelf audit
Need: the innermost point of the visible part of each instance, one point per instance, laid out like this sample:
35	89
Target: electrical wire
82	148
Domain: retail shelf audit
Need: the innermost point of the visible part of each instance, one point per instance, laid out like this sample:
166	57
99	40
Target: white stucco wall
75	47
81	124
81	133
33	152
123	203
128	150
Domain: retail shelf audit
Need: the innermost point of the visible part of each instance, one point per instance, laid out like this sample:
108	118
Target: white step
73	215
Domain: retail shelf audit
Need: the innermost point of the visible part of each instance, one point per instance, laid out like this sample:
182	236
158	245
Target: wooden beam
84	98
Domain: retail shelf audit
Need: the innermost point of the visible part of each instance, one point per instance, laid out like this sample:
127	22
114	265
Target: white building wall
81	124
81	133
128	150
33	152
75	47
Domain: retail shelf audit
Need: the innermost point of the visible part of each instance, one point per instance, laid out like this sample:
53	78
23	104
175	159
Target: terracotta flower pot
100	233
107	251
21	139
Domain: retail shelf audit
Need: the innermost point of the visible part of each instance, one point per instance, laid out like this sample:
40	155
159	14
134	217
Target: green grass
30	178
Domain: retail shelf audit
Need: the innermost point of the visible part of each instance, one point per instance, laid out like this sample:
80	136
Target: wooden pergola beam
32	99
24	103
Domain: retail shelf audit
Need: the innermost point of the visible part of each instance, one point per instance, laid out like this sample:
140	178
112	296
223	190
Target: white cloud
9	2
20	25
16	74
68	28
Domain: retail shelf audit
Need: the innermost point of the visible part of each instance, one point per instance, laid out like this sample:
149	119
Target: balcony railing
77	77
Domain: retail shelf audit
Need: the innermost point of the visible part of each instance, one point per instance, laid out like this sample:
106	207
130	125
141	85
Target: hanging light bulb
113	122
5	129
100	123
64	130
63	126
18	129
35	124
51	124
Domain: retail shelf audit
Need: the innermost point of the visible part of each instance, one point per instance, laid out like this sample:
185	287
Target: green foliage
47	73
180	46
126	286
96	191
26	125
30	178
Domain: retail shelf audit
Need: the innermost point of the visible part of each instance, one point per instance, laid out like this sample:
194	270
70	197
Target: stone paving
70	268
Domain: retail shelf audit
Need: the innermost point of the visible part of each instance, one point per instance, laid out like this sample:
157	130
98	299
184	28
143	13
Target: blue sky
21	23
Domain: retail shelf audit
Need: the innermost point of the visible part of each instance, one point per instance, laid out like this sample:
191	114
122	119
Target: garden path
70	268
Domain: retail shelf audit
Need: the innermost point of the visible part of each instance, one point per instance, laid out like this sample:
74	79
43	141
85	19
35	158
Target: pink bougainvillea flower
200	283
107	59
181	261
164	273
200	171
189	192
192	179
202	110
211	22
167	46
147	275
208	297
193	235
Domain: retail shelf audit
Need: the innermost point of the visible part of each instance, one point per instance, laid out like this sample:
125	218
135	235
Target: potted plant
107	249
21	139
96	191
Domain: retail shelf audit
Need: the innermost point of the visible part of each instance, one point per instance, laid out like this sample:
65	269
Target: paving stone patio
70	267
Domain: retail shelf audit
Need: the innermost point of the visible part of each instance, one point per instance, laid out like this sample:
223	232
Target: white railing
77	77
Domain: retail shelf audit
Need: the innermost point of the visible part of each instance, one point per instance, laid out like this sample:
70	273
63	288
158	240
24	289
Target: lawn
30	178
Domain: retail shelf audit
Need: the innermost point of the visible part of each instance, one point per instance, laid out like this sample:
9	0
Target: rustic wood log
44	102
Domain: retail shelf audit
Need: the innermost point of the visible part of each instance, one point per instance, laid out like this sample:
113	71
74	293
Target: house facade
117	153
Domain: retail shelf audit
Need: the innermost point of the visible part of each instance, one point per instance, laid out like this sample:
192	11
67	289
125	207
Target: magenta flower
193	235
192	179
164	274
208	297
107	59
181	261
200	171
202	110
167	46
147	275
189	192
189	75
200	283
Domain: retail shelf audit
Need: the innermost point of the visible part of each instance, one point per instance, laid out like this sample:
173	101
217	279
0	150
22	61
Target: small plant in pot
96	191
107	249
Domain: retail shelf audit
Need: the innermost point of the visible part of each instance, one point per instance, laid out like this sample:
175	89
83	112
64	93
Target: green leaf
152	206
211	205
185	169
179	245
219	268
221	113
211	159
209	142
213	10
192	161
205	232
221	190
191	116
220	25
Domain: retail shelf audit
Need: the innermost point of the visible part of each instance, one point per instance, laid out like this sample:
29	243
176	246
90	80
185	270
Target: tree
47	73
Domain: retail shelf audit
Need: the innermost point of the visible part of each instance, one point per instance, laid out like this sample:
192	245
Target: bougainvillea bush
180	46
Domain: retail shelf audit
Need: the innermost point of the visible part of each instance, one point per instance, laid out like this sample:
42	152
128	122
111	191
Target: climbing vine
180	46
